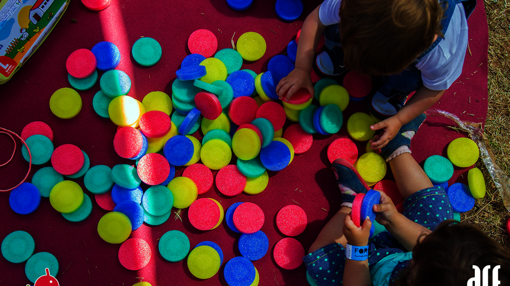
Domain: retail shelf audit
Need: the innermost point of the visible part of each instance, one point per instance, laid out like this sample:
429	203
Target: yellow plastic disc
66	196
334	94
251	46
124	110
358	126
158	100
291	148
215	154
246	144
143	283
297	106
259	100
222	213
476	183
142	112
204	262
157	144
292	115
196	150
463	152
258	88
278	134
216	70
371	167
65	103
184	190
256	281
221	122
114	227
256	185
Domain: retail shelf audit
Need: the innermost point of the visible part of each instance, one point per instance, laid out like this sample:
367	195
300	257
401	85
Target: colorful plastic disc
178	119
84	168
230	181
134	254
107	53
127	142
334	94
124	111
371	198
226	95
83	83
204	262
356	209
67	159
37	264
253	246
216	70
246	144
184	191
460	198
82	213
158	100
371	167
289	145
300	140
115	83
306	119
45	179
273	112
98	179
222	122
155	124
96	5
242	82
146	51
100	103
239	271
204	214
158	200
153	169
251	46
217	134
133	210
105	201
291	220
248	218
231	58
331	118
208	104
243	110
256	185
476	183
276	156
65	103
463	152
289	10
196	150
201	175
66	196
203	42
438	169
36	127
288	253
343	148
174	246
178	150
215	154
321	84
251	168
155	220
358	126
40	147
157	144
114	227
81	63
18	246
125	176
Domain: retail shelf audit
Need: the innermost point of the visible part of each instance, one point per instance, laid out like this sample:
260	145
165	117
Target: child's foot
402	142
349	181
330	62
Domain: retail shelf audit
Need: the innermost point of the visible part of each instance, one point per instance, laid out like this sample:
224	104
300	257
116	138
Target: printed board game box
24	24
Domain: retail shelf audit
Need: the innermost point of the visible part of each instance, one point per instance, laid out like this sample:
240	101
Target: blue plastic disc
133	211
292	50
239	5
178	150
214	246
317	122
276	156
120	194
25	199
253	246
37	264
242	82
460	198
269	85
145	147
280	66
189	121
192	60
107	55
239	271
45	179
18	246
178	118
371	198
191	72
229	217
289	10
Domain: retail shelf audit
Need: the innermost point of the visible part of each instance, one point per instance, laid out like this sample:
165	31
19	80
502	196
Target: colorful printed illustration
46	280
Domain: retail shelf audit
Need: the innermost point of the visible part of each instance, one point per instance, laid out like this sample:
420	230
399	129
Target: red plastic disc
300	140
67	159
230	181
357	85
291	220
273	112
153	169
135	254
155	124
36	128
96	5
254	128
248	218
203	42
105	201
390	188
343	148
208	104
81	63
288	253
201	175
204	214
128	142
356	209
243	110
301	96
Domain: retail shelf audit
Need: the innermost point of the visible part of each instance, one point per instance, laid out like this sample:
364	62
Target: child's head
447	255
385	37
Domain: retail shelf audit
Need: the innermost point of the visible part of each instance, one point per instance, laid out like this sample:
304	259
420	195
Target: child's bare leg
332	231
409	175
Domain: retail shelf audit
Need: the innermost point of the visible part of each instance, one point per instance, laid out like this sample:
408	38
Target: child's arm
356	272
403	229
417	104
300	77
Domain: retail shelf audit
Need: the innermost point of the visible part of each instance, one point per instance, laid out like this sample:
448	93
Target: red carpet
85	259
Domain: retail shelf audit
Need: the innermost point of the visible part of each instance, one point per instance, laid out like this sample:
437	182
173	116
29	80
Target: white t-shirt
441	66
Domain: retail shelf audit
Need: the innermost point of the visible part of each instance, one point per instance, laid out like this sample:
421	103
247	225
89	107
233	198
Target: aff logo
475	281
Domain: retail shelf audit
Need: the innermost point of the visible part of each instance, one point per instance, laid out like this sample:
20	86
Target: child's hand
357	236
293	82
391	127
385	210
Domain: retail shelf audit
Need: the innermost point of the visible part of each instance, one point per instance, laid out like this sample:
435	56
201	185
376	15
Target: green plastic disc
226	95
306	119
45	179
178	118
82	212
37	264
231	58
331	118
125	176
174	246
83	83
84	169
100	103
155	220
184	91
146	51
251	168
209	87
183	107
115	83
217	134
98	179
438	169
18	246
321	84
266	129
157	200
40	147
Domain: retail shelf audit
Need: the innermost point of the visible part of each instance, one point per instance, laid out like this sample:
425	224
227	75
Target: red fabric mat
85	259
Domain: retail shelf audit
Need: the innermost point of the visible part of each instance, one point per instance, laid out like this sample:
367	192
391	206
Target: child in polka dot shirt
422	246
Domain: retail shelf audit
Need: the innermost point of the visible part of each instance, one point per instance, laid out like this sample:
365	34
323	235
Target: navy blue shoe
403	138
349	180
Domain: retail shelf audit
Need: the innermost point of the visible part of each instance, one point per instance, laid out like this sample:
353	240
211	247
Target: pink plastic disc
96	5
248	218
153	169
208	104
243	110
81	63
390	188
300	140
155	124
67	159
356	209
343	148
254	128
36	128
230	181
291	220
204	214
288	253
127	142
105	201
273	112
203	42
301	96
135	254
201	175
357	85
